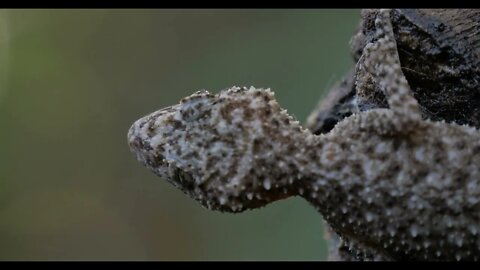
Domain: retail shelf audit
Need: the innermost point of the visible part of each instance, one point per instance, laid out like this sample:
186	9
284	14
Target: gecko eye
195	106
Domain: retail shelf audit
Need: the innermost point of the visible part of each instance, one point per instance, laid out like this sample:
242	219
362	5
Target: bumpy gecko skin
391	185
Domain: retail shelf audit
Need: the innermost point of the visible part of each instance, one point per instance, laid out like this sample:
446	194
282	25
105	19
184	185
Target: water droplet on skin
267	184
473	229
449	223
414	231
459	241
369	200
369	217
223	200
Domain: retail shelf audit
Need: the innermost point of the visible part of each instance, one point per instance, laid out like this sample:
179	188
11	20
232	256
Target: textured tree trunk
440	55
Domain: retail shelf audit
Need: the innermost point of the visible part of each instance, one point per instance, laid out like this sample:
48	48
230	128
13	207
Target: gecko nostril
137	144
132	134
132	141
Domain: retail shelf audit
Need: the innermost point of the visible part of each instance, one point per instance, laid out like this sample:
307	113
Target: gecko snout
134	141
140	145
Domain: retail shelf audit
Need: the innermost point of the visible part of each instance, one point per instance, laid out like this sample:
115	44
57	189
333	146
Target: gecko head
219	149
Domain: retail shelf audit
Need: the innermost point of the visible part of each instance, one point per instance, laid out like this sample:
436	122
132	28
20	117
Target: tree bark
440	55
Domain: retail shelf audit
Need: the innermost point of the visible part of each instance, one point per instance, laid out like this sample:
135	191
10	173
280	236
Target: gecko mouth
156	162
183	179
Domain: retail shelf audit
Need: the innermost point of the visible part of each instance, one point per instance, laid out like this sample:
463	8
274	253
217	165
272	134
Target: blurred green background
73	81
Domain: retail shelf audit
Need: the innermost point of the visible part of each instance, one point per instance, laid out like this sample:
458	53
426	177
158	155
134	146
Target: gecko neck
323	181
298	165
319	170
331	185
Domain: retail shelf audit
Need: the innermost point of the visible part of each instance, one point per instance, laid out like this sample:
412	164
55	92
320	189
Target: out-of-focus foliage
72	82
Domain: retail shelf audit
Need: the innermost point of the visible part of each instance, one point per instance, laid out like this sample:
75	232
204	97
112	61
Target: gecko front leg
382	64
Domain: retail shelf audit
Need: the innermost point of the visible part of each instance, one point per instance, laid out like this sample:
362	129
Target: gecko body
392	185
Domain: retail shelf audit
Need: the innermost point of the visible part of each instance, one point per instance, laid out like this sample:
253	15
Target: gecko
392	185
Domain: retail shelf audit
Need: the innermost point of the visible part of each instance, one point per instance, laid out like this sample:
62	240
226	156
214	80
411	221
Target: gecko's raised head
225	150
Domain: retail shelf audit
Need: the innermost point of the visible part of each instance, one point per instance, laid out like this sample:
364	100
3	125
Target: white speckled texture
391	185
